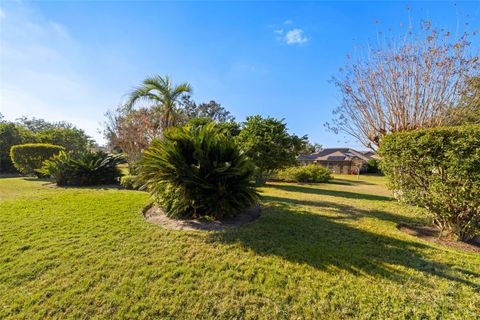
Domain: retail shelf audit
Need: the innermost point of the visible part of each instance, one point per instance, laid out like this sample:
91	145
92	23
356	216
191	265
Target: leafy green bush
89	168
130	182
27	158
438	169
198	171
311	173
373	166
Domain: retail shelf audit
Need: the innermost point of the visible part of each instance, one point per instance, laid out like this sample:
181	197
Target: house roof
335	154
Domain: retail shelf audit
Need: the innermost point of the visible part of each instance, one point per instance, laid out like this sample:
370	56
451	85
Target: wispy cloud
295	36
289	35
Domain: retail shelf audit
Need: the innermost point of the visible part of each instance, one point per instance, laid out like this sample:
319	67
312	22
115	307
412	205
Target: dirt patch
157	215
433	234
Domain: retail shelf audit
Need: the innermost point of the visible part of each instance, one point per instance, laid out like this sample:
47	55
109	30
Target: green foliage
27	158
267	142
10	135
198	171
438	169
26	130
211	110
88	168
311	173
373	166
130	182
230	129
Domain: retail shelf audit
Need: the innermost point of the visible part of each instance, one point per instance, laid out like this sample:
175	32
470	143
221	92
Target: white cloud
295	36
278	31
287	22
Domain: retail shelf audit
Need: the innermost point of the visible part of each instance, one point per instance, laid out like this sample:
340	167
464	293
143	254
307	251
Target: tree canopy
408	83
267	142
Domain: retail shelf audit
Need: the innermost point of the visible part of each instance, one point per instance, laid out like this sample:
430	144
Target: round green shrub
84	169
198	172
438	169
27	158
311	173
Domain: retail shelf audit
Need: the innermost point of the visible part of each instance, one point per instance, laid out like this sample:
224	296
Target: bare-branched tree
132	131
403	85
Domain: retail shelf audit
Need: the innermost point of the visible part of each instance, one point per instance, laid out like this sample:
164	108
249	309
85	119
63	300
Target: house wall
343	167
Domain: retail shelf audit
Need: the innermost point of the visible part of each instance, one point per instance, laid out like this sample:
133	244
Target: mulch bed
432	234
157	216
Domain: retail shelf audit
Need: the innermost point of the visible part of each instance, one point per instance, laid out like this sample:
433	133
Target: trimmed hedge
27	158
85	169
311	173
438	169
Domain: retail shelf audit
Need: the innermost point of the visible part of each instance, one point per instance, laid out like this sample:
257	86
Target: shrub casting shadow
322	242
334	193
346	212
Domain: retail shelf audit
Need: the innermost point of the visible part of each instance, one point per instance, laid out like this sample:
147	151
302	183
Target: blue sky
75	60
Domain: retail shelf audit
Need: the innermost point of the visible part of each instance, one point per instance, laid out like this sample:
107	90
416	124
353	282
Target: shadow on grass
347	182
322	242
345	212
334	193
51	183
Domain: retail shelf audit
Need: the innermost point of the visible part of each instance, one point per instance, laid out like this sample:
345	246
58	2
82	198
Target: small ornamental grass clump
438	169
311	174
85	169
198	172
27	158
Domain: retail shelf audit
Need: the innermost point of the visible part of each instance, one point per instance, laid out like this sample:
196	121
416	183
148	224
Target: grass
324	251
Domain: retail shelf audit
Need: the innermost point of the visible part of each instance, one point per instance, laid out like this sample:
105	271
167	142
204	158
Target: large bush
88	168
27	158
310	173
198	171
438	169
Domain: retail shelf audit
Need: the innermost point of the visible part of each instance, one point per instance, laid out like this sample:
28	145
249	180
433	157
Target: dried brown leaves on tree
132	131
405	85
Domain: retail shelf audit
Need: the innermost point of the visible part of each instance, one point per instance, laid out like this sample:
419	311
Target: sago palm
163	94
198	171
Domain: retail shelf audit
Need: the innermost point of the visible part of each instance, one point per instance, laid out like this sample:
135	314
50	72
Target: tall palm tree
160	91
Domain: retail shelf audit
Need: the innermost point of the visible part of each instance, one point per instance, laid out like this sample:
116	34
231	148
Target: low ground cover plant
88	168
311	173
198	172
438	169
27	158
130	182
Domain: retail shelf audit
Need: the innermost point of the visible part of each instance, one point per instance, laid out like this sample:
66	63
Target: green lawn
325	251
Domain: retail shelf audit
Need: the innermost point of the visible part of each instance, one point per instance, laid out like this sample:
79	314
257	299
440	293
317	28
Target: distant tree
33	130
402	86
211	110
267	142
59	133
12	134
131	131
311	148
164	97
